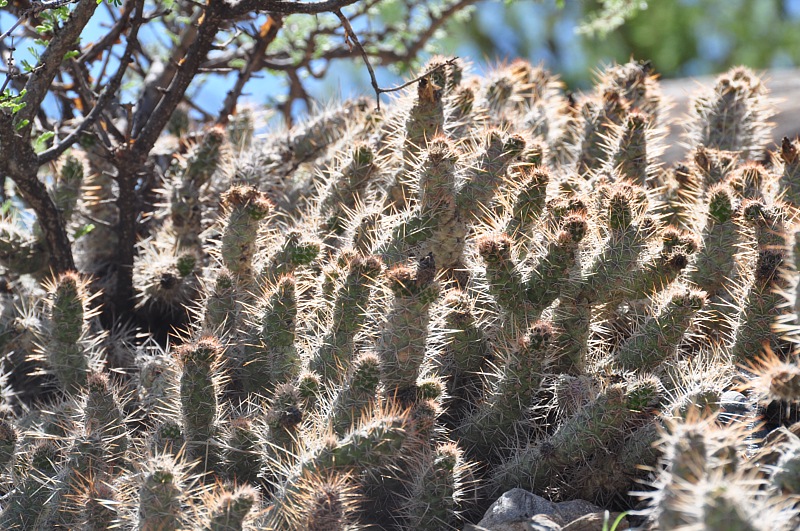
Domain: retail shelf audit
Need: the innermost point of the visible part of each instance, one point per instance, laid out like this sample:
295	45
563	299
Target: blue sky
521	34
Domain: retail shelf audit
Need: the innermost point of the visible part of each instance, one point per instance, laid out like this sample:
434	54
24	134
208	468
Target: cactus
166	281
434	497
646	348
375	442
68	346
733	115
401	347
522	372
222	309
282	425
346	191
161	493
529	199
199	397
703	480
26	502
104	417
349	313
599	117
68	188
425	120
272	358
358	393
293	252
391	317
231	509
20	250
99	511
760	310
324	503
242	451
245	207
8	442
463	352
789	162
632	157
591	429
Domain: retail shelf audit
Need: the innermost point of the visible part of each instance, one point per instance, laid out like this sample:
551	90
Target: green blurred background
680	37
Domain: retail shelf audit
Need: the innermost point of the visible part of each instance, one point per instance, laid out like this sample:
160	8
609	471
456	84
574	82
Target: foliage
681	38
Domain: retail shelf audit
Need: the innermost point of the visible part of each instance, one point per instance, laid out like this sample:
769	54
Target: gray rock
514	511
515	507
574	509
735	406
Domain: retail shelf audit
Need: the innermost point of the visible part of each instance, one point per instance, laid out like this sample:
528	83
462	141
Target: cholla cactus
245	208
437	493
733	115
706	481
161	492
230	510
67	344
200	388
401	347
383	319
25	504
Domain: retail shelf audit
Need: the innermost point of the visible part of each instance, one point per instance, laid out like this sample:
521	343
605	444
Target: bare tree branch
268	32
287	7
351	37
105	97
43	75
131	158
423	38
22	168
350	34
158	80
87	95
107	40
210	24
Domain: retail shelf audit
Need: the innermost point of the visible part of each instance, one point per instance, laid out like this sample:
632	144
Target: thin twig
49	62
107	40
264	38
449	62
11	72
14	26
35	9
105	97
351	37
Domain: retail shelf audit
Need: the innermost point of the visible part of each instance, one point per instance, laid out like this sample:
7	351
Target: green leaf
83	231
70	54
237	63
616	523
21	124
40	144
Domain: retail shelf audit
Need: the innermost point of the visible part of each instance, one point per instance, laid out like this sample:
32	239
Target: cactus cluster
387	319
